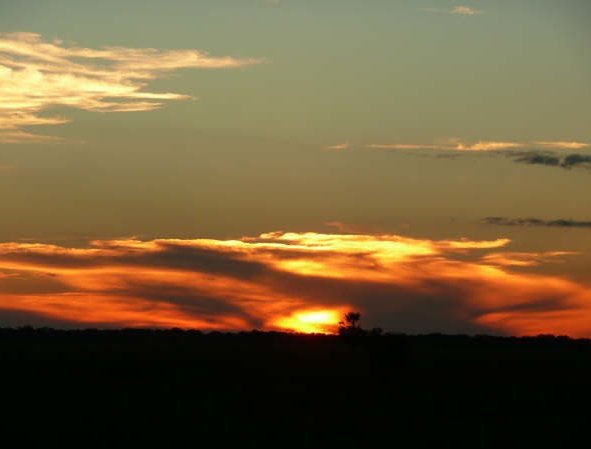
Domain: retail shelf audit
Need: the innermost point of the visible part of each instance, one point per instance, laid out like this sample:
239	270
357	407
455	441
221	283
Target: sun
311	321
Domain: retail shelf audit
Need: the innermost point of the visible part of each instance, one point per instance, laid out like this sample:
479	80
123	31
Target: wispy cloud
37	75
298	281
451	145
464	10
458	10
525	259
489	146
557	223
4	168
481	145
563	145
339	146
530	152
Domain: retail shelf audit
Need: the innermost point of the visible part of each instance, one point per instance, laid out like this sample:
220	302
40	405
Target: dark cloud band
553	160
559	223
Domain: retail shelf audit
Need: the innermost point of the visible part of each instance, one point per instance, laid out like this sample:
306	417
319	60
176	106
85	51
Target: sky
259	164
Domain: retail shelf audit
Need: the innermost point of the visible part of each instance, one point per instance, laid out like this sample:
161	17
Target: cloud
481	145
558	223
574	160
6	168
524	259
489	146
339	146
536	158
553	159
516	150
563	145
289	280
20	136
458	10
464	10
37	75
451	145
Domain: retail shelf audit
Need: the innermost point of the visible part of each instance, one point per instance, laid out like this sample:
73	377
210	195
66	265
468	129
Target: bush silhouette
351	326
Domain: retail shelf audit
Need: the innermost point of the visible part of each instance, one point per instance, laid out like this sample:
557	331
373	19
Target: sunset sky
273	164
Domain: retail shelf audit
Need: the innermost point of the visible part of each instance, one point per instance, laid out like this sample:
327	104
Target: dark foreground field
173	385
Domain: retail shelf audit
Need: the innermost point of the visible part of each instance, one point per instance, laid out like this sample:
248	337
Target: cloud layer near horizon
297	281
558	223
36	75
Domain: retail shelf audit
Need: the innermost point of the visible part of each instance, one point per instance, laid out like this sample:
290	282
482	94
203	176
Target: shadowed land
170	385
349	354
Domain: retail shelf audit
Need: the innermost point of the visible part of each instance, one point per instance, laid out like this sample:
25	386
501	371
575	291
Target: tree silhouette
352	319
351	324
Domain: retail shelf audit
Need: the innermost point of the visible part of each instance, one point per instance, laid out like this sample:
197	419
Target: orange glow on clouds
451	145
299	281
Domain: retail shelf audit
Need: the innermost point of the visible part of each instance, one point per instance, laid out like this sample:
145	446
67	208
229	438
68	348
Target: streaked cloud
291	280
458	10
339	146
525	259
451	145
37	75
563	145
533	153
464	10
557	223
20	136
4	168
489	146
481	145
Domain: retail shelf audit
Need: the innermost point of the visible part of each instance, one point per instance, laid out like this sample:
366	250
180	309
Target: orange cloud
339	146
488	146
564	145
290	280
524	259
36	75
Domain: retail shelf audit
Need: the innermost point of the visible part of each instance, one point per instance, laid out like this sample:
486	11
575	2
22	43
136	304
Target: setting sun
311	321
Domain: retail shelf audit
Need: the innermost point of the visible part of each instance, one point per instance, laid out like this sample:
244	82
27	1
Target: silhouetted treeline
190	345
174	384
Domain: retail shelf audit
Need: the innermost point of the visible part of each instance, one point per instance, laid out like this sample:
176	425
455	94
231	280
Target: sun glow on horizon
299	282
311	321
